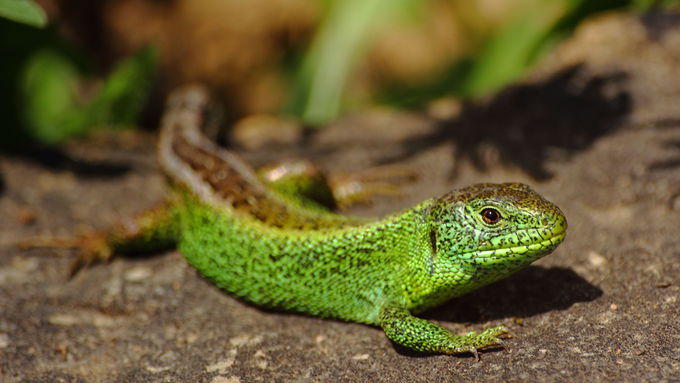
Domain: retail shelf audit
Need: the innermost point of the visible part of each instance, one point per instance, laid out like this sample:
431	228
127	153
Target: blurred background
71	67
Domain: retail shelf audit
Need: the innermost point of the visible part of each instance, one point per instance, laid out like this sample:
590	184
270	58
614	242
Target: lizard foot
91	248
472	342
360	187
301	178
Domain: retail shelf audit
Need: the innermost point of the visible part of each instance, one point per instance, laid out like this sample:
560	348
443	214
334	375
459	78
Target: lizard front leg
419	334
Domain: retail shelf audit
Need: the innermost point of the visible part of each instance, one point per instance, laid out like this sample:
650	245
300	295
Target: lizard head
487	231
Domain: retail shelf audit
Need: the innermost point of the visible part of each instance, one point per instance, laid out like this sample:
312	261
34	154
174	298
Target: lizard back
220	178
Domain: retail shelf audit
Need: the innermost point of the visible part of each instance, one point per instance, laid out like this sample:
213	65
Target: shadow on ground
529	124
532	291
56	159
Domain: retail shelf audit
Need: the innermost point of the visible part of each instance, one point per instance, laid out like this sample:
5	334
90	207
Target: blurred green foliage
124	91
341	38
502	56
50	92
23	11
48	88
53	105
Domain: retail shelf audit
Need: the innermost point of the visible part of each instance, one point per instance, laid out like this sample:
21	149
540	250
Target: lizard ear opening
433	241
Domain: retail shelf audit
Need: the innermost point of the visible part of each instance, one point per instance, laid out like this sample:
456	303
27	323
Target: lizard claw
476	353
488	339
91	248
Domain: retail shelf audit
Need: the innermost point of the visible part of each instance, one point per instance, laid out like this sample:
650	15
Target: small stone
223	365
4	340
138	274
226	379
596	259
257	131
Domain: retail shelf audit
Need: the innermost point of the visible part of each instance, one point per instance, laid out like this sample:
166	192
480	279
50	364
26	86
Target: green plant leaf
49	93
125	91
53	106
23	11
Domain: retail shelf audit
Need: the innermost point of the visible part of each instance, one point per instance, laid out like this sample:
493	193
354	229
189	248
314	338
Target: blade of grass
53	110
23	11
49	92
333	53
125	91
509	51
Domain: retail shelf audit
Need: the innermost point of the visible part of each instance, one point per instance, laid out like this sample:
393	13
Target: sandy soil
596	129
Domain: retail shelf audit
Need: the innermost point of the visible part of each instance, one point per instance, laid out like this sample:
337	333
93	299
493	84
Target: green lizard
279	251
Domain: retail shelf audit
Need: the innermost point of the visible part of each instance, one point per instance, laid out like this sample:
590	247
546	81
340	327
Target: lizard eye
491	216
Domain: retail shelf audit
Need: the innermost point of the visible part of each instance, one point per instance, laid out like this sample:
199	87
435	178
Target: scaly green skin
314	262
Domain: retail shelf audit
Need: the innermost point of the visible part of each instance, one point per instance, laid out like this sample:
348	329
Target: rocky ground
596	129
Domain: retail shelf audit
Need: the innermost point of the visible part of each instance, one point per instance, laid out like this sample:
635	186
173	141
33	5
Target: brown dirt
596	129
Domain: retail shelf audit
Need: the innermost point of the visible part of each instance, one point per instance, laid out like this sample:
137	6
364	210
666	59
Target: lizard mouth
520	253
